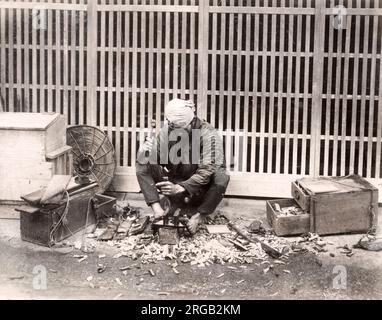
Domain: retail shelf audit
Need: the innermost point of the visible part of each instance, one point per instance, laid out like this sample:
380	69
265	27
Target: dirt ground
311	276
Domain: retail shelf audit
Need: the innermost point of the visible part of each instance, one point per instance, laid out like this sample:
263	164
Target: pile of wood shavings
202	250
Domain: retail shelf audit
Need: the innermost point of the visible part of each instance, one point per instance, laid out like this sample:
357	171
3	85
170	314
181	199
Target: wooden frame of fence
291	94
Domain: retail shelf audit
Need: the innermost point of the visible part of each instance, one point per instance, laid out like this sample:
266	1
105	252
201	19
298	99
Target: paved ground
311	276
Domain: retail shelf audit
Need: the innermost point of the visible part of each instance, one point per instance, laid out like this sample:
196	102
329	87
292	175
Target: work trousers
206	198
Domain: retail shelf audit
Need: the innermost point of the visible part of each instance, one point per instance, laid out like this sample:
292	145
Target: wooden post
202	59
318	64
91	51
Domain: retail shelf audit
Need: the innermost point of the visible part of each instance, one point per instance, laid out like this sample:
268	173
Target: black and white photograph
208	151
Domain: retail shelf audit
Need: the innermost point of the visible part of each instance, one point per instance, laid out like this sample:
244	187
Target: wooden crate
33	149
286	225
339	204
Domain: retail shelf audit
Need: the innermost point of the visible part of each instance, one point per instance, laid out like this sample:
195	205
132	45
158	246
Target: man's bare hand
148	144
169	189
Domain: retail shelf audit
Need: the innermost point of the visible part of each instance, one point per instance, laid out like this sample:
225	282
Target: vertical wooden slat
110	75
183	56
201	54
118	90
345	93
223	26
202	58
370	163
167	57
213	67
280	90
246	90
126	99
43	68
66	66
49	106
58	66
26	60
379	119
91	59
363	94
289	93
272	32
237	155
319	30
134	87
2	60
304	155
228	142
297	76
175	52
19	98
82	69
336	104
151	66
143	72
355	92
256	32
11	106
102	71
73	50
328	96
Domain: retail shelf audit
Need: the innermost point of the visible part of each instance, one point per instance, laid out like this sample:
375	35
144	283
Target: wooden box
338	204
45	225
287	225
33	149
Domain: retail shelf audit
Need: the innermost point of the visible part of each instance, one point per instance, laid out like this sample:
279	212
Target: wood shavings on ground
201	250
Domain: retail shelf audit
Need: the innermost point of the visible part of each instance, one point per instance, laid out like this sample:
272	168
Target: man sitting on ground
185	160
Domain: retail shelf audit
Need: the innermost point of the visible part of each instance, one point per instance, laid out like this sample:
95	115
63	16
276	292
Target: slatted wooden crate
33	149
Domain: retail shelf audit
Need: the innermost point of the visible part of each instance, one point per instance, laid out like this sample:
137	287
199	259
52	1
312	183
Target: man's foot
158	211
194	222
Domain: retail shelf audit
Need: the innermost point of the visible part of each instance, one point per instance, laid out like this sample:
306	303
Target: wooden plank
91	59
263	90
237	154
355	89
261	10
143	72
102	72
167	35
118	90
202	58
223	26
91	107
272	75
50	66
212	109
379	126
363	94
3	65
134	88
289	97
73	72
110	75
246	91
317	88
126	99
65	65
305	156
344	100
19	94
176	50
43	67
296	162
11	106
47	5
336	106
228	140
58	67
256	32
147	8
280	91
371	163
